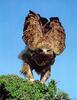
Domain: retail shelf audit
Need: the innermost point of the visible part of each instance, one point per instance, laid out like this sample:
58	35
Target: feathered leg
26	70
45	74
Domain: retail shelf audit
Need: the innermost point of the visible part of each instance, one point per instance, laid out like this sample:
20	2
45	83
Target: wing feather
56	37
38	32
32	30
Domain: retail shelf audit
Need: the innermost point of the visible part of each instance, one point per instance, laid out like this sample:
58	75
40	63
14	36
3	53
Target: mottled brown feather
39	32
44	39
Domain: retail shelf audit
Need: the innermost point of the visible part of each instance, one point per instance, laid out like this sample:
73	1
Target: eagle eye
40	50
48	50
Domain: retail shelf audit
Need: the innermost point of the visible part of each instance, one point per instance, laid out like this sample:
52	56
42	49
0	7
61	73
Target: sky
12	16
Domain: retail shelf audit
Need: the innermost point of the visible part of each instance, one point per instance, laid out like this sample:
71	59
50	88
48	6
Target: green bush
13	87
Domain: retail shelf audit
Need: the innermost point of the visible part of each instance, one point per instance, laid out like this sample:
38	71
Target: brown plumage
44	39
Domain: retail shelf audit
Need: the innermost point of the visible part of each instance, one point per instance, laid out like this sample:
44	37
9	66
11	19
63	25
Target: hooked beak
45	51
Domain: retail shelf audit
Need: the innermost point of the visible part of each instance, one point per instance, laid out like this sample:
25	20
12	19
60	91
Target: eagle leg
45	74
26	70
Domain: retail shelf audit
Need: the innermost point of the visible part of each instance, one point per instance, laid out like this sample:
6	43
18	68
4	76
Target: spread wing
38	32
56	36
32	30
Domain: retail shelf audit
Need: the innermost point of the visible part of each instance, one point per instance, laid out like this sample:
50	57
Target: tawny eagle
44	39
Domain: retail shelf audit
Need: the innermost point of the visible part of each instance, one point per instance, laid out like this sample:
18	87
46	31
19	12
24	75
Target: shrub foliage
13	87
